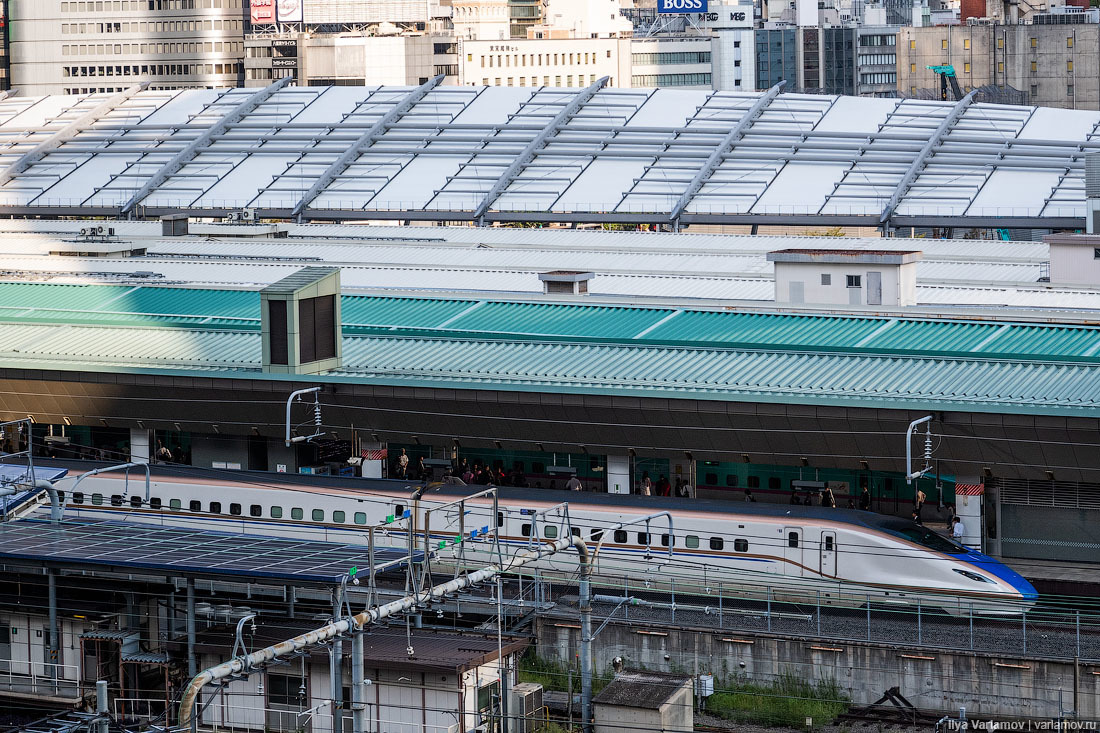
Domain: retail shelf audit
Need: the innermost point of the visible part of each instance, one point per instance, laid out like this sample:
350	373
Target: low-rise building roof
646	690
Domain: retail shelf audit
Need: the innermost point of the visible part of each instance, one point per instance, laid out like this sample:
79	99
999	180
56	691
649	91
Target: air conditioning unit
525	706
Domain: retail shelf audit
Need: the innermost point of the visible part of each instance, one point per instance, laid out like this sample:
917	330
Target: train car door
828	554
792	549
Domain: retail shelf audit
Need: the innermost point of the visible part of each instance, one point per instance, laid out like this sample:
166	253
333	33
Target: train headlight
972	576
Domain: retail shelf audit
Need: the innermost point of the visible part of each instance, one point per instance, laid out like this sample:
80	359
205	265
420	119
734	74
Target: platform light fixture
744	457
863	465
1050	475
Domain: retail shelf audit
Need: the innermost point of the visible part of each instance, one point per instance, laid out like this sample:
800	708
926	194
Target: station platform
1059	577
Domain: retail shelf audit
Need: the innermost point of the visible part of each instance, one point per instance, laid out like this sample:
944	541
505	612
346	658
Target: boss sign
681	6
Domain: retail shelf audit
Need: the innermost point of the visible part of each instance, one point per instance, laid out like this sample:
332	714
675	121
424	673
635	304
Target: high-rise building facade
82	46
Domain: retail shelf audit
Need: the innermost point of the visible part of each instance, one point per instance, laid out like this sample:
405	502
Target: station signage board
681	6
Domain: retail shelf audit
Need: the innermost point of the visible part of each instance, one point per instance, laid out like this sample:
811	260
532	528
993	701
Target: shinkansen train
786	553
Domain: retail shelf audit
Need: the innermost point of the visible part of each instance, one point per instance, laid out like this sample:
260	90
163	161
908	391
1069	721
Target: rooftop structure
431	153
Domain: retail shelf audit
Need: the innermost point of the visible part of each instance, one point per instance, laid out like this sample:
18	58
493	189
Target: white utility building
845	277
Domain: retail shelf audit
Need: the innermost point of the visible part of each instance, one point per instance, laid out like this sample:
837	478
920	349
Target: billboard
262	12
289	11
681	6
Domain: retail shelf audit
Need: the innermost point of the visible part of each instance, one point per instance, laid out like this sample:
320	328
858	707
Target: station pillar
139	445
618	474
968	507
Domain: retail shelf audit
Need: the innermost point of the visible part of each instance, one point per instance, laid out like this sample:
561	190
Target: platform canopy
596	154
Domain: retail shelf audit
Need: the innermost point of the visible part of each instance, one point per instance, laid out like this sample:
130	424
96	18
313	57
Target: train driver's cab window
691	542
717	543
792	539
741	545
551	532
194	505
525	529
297	513
276	512
620	535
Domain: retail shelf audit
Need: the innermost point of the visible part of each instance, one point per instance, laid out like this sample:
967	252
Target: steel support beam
368	138
923	156
192	662
69	131
220	127
524	158
718	155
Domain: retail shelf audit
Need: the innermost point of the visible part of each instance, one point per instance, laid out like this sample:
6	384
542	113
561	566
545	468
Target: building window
853	281
966	68
912	45
1000	43
943	44
1034	90
912	68
1001	66
1035	43
1069	66
826	279
1096	253
1069	42
966	44
1034	67
1069	90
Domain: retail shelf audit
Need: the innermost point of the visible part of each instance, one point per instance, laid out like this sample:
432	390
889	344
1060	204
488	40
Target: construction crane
946	73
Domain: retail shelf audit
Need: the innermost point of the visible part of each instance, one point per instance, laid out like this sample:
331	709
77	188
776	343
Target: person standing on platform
958	530
827	498
646	487
574	484
918	501
402	465
865	499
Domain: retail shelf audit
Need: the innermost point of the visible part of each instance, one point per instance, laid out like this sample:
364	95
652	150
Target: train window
78	497
116	499
691	542
575	531
525	529
537	467
596	535
792	539
551	532
175	504
155	503
620	535
828	544
297	513
741	545
773	482
731	479
518	465
717	543
711	478
135	502
215	507
235	509
195	506
61	497
276	512
643	538
500	519
255	510
318	515
398	510
97	499
360	518
665	540
754	482
338	516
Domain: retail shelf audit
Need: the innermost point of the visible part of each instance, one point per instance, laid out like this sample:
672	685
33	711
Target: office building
1052	61
81	46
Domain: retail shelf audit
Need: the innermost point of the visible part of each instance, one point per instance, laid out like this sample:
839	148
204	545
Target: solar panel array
184	551
552	154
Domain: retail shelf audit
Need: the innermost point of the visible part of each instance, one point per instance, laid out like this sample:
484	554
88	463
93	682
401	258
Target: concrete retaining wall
933	680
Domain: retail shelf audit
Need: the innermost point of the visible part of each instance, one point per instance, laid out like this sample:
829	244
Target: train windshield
923	537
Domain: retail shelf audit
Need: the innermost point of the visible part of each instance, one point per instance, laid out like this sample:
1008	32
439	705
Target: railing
1040	631
131	709
39	678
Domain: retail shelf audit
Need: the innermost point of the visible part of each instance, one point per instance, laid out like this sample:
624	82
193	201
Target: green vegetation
554	675
786	702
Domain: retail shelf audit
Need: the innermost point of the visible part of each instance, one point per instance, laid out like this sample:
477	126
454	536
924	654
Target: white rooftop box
845	276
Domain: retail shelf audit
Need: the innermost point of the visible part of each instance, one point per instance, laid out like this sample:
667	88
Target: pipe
586	636
328	631
51	577
358	694
56	510
336	668
96	472
101	706
909	473
192	664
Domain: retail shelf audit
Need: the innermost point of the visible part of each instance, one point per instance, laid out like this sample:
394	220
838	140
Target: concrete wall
932	680
617	719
